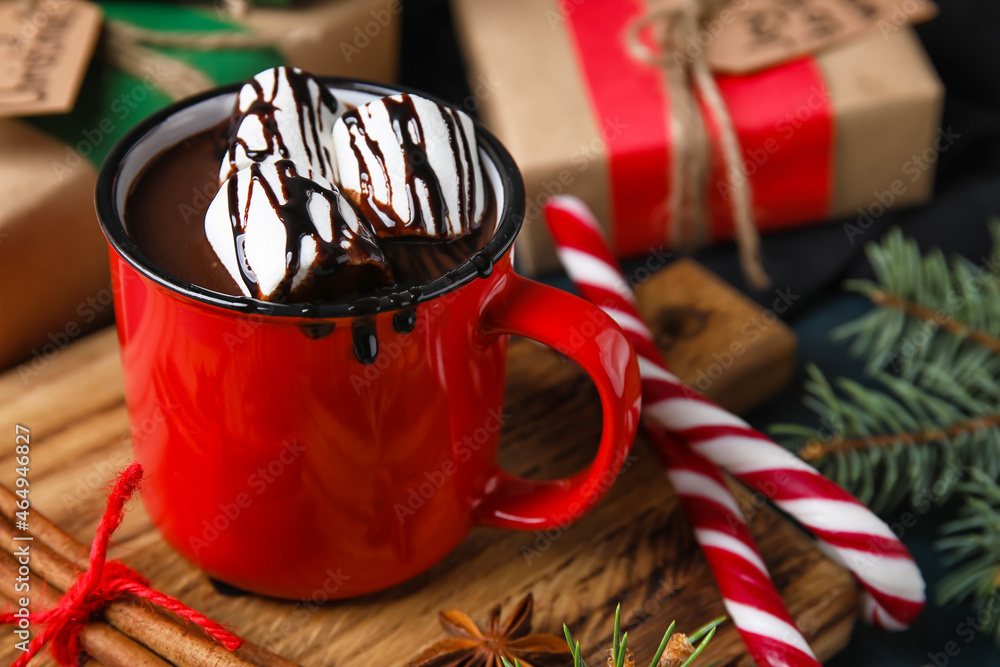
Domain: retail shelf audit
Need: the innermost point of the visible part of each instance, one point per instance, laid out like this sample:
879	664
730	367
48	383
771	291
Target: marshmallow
411	166
285	237
283	114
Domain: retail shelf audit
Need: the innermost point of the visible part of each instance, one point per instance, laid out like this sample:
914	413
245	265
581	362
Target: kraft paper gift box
53	257
825	136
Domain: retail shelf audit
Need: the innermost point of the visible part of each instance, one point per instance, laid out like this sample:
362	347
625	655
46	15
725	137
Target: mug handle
591	338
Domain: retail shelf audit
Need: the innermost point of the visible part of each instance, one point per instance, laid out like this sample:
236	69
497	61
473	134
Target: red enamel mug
282	464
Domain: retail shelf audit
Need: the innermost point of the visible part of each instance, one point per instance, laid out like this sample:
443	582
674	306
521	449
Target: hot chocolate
315	201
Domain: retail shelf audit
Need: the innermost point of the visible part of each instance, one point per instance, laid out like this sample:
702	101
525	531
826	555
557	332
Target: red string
104	582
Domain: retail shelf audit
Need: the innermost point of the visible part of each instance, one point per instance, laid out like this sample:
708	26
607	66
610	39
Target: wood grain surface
635	548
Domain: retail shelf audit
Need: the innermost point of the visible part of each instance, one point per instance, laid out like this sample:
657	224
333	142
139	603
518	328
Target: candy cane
749	595
752	601
846	530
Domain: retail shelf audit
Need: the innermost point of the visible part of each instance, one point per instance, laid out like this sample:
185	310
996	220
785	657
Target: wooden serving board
635	548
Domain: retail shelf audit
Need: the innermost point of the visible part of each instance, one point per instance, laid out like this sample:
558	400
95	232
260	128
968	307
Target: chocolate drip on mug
319	330
483	264
405	321
365	340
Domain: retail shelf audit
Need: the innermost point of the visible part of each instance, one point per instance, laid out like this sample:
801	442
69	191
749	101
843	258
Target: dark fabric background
964	44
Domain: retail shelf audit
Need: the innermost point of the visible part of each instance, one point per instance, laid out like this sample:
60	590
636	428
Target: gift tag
754	34
45	47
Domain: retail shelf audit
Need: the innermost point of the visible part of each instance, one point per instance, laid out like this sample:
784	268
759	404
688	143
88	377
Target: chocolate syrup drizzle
404	117
352	261
264	110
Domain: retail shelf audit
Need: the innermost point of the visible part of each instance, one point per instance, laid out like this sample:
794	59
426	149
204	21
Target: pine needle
663	644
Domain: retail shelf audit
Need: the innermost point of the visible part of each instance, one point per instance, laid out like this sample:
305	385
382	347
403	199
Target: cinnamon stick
175	643
97	638
57	557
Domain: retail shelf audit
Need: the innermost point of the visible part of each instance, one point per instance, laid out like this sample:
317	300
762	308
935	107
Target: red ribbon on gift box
781	116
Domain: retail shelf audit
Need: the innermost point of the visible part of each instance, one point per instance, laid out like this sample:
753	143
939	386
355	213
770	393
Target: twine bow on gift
688	81
102	583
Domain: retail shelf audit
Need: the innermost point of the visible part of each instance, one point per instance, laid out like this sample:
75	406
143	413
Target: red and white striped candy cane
845	529
752	601
749	595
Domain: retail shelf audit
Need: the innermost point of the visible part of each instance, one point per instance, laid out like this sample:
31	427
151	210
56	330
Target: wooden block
715	339
636	547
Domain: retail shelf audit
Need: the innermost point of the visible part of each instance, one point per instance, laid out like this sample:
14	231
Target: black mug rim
509	221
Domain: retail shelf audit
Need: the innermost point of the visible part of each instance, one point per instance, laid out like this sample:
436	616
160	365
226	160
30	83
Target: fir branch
927	425
840	445
914	310
932	408
920	298
971	548
896	442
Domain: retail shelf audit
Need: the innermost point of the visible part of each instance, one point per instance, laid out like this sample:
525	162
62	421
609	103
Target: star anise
470	646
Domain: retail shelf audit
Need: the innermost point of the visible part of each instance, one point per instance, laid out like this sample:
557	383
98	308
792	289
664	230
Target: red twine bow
103	583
